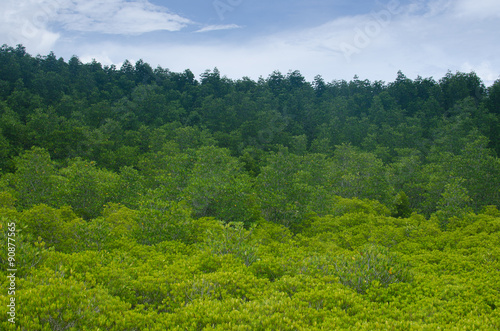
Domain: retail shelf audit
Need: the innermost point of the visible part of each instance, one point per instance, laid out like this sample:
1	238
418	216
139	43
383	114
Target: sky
336	39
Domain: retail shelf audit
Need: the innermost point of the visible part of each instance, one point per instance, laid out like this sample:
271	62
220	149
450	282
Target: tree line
286	143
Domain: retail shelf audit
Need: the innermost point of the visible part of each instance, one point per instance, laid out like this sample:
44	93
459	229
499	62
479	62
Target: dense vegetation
145	199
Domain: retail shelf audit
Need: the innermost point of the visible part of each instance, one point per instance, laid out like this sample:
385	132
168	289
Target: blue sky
335	39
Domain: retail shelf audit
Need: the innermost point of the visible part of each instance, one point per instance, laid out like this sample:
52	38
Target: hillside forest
135	198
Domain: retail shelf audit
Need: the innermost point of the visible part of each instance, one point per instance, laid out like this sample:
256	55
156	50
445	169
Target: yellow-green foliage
356	269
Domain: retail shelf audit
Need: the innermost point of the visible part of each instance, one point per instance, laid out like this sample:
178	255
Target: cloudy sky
336	39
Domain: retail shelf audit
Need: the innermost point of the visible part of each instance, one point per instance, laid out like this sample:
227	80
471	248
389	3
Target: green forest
135	198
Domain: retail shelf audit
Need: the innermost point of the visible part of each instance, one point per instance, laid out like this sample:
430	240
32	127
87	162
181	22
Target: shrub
232	238
371	264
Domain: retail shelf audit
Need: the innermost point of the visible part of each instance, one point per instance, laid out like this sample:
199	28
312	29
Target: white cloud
437	7
118	17
483	69
102	57
477	9
218	27
26	23
31	23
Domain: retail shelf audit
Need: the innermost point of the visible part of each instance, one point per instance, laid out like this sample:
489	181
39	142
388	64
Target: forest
135	198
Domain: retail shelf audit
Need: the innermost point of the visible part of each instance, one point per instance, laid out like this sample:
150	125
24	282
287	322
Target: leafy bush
232	238
372	264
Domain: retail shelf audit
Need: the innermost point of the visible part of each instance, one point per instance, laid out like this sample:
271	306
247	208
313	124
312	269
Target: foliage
232	238
264	277
402	205
145	199
373	265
